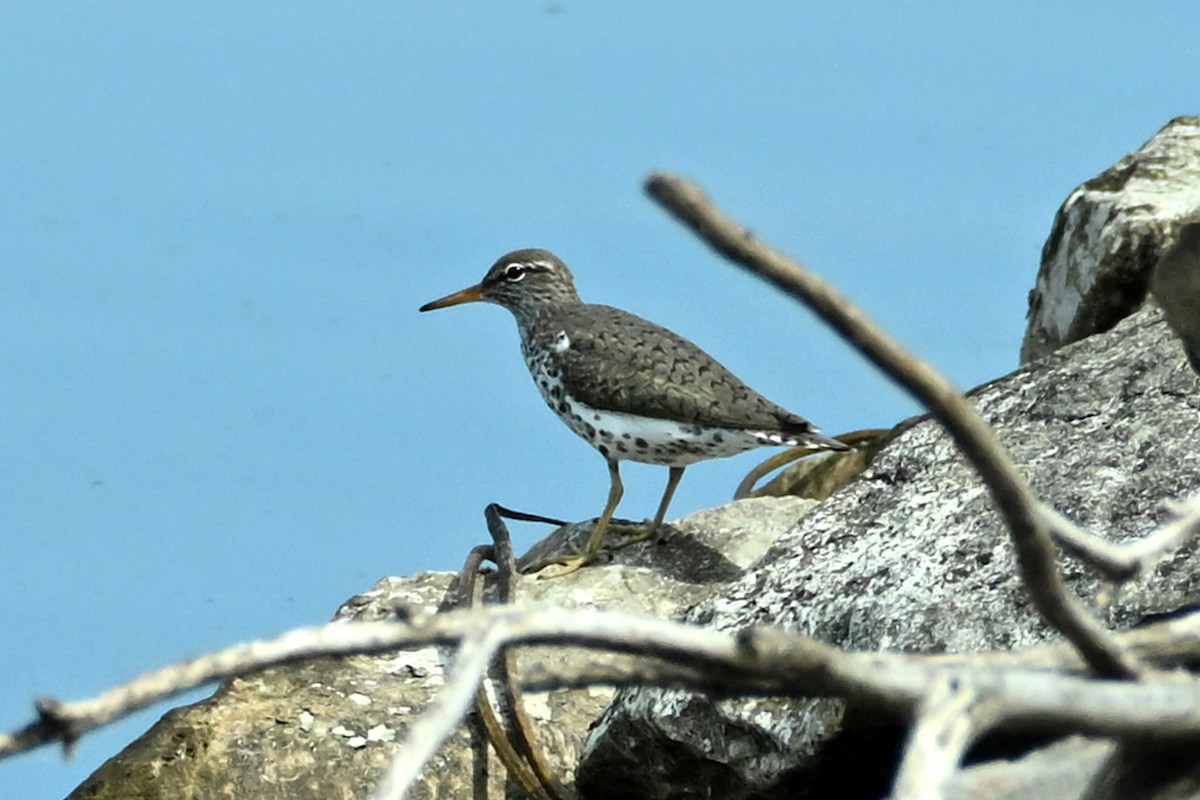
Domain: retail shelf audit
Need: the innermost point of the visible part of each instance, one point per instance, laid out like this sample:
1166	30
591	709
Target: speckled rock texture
328	728
1108	235
912	557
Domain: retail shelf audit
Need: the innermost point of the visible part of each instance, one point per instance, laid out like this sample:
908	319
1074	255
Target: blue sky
223	413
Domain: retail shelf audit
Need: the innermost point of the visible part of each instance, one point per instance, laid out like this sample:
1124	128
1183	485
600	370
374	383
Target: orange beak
472	294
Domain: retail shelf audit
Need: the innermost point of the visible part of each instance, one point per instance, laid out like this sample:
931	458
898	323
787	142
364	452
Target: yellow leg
592	548
604	524
644	532
615	491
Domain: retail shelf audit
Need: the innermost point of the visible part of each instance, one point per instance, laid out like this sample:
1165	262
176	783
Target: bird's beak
472	294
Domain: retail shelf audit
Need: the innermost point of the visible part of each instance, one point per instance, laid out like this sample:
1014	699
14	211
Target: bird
634	390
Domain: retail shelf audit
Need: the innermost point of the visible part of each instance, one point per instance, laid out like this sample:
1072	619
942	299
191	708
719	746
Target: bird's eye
514	272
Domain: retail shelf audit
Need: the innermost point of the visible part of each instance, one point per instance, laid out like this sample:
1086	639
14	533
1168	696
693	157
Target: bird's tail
818	441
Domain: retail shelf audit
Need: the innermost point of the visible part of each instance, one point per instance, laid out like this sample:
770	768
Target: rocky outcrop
1107	236
911	557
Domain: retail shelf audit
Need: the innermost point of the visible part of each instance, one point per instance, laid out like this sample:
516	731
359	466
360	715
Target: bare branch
777	461
949	720
492	726
523	728
1163	704
817	483
1166	644
759	661
1127	559
509	757
548	625
67	721
1035	551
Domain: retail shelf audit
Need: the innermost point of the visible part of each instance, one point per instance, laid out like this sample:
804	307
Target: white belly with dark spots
625	437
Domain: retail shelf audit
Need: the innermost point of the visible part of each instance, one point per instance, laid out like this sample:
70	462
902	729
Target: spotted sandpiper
634	390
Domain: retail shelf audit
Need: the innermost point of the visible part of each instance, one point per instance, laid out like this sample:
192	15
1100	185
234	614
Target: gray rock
320	729
912	557
1108	235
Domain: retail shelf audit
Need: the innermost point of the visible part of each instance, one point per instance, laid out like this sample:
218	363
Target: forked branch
1020	507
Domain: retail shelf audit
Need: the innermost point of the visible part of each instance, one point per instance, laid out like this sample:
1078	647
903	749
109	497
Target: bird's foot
632	533
566	564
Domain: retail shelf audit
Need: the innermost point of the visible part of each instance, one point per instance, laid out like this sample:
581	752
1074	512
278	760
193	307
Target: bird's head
522	281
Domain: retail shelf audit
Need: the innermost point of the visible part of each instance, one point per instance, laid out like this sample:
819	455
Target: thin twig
525	516
1125	560
493	729
778	460
856	439
1164	704
506	667
1035	551
508	755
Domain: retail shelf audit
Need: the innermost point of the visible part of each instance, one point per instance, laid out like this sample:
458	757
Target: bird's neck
533	317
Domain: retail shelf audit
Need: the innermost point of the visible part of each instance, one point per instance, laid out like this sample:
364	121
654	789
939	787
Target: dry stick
506	564
1035	551
492	727
1167	644
1107	557
65	722
1164	705
746	488
528	766
761	661
949	720
509	757
525	516
1125	560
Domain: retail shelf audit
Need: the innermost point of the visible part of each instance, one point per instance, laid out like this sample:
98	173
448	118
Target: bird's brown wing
617	361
